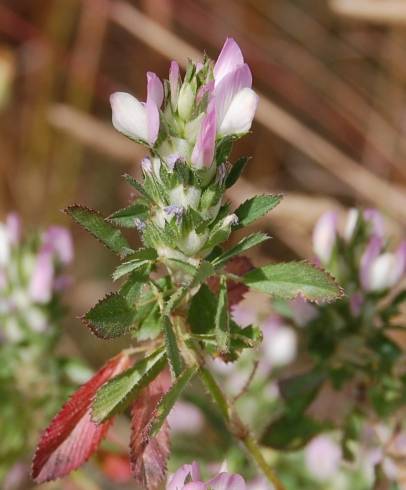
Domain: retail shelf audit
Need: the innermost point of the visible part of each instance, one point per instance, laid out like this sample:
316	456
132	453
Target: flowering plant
33	380
176	291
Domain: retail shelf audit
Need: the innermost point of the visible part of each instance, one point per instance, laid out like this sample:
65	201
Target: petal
323	457
152	121
203	152
384	272
229	59
227	481
198	485
371	252
13	224
324	236
60	240
229	87
374	217
40	288
174	83
129	116
155	89
240	114
177	482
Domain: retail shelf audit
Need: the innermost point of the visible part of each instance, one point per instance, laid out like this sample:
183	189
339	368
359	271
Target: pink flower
185	418
13	224
203	152
41	283
188	478
135	119
323	457
60	241
236	102
174	83
324	236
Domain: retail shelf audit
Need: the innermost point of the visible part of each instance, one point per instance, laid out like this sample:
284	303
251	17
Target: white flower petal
129	116
239	116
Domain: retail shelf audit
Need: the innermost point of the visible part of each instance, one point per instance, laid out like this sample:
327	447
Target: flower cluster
188	126
32	275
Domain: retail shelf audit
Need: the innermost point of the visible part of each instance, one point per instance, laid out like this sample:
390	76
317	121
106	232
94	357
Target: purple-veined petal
371	252
155	89
41	283
229	59
152	121
129	116
228	88
177	482
324	236
227	481
203	152
174	83
13	224
59	239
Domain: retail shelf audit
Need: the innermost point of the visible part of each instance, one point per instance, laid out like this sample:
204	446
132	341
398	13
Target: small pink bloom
203	152
188	478
174	83
185	418
323	457
155	96
60	241
41	284
324	236
374	217
13	224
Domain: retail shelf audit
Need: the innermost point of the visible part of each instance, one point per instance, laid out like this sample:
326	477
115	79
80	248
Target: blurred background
329	131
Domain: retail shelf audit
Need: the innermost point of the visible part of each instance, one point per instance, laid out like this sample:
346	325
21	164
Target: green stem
237	427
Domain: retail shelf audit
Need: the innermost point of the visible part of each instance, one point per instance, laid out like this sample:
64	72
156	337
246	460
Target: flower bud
192	243
386	270
351	223
40	287
186	101
4	245
174	83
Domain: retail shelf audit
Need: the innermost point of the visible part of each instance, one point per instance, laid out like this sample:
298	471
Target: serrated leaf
172	349
148	455
291	279
171	397
236	170
111	317
138	186
139	259
255	208
72	436
119	392
202	310
125	217
96	225
222	319
243	245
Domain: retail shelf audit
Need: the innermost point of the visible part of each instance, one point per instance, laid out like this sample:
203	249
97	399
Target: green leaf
222	319
139	187
125	217
215	391
95	224
139	259
202	311
111	317
255	208
172	349
245	244
115	395
236	170
290	279
171	397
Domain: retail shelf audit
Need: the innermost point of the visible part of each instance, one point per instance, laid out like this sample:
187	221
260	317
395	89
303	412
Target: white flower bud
184	197
4	245
385	272
193	243
186	101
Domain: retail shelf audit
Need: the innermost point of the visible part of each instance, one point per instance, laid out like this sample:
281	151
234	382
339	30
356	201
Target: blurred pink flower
186	418
324	236
60	241
13	224
41	283
322	457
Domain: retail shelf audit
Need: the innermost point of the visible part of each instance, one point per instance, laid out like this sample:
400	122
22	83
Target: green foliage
222	319
120	391
202	310
236	170
95	224
171	397
291	279
110	317
255	208
172	349
141	258
242	246
125	217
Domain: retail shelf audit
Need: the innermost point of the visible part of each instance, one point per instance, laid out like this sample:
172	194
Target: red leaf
72	437
239	266
148	454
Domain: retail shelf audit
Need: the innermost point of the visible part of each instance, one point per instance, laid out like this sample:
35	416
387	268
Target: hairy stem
238	428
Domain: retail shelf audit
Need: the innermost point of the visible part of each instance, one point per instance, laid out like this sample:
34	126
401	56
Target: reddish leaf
239	266
148	454
72	437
